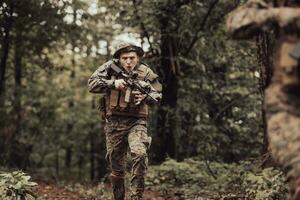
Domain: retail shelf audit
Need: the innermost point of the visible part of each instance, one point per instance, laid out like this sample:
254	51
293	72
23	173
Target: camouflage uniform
125	127
282	97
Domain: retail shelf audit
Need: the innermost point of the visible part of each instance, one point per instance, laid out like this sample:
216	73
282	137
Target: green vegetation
194	179
16	186
212	95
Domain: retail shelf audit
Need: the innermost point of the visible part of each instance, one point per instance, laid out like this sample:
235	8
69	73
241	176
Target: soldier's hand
120	84
138	97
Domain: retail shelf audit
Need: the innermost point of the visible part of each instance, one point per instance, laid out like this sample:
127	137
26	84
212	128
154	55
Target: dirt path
54	192
51	191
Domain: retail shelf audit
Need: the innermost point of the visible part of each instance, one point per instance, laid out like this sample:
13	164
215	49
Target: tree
23	24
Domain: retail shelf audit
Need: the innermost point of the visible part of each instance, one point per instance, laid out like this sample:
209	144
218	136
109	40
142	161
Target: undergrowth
16	186
193	179
190	180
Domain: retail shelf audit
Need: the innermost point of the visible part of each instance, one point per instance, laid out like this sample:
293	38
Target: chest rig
121	102
287	54
283	94
286	63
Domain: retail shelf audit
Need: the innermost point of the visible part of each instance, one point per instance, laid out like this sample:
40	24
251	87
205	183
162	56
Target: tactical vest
121	102
286	68
283	93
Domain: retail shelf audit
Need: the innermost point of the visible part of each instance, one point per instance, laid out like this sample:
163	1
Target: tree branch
217	20
201	27
232	103
143	27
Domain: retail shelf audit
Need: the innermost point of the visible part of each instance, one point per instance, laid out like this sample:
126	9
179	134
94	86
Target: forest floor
55	192
171	180
188	180
52	191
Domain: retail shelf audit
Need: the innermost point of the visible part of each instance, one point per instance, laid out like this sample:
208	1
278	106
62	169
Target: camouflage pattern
101	82
282	97
125	132
118	187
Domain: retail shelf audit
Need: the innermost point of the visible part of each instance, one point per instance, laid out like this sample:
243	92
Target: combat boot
118	187
137	188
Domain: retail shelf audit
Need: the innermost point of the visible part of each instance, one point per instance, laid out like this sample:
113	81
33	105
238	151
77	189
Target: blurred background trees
49	123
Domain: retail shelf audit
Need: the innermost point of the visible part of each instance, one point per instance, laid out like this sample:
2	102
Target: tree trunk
100	159
92	154
82	152
17	90
68	155
16	158
68	152
108	55
265	61
92	146
8	21
101	162
265	44
167	112
57	162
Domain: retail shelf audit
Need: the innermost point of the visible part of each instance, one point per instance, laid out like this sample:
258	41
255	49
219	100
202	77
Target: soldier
126	111
282	97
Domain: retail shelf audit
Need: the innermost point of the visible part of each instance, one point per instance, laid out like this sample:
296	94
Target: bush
16	186
194	179
267	184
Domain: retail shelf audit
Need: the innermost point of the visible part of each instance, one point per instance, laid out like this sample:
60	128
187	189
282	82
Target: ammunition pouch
121	102
286	67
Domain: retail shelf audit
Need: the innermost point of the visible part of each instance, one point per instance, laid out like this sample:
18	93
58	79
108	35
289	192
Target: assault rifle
133	83
295	53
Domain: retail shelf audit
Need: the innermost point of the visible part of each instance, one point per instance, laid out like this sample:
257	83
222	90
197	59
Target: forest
209	134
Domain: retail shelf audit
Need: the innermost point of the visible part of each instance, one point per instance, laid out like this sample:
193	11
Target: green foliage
218	102
193	179
218	105
57	40
16	186
267	184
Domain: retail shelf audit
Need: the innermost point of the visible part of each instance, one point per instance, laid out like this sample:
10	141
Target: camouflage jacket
101	82
258	15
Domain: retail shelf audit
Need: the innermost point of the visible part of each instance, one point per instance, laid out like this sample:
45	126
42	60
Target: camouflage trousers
283	122
123	133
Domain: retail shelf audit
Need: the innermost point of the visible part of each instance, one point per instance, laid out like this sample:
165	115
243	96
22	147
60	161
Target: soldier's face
129	60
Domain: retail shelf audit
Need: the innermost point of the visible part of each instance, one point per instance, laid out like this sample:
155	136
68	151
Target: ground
51	191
